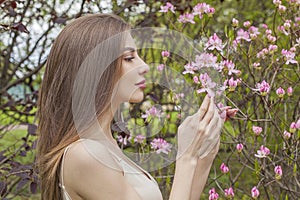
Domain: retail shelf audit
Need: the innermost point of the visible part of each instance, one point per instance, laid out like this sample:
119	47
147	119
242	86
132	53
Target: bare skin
190	174
87	178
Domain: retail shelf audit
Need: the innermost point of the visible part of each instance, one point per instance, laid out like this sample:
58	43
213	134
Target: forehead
129	41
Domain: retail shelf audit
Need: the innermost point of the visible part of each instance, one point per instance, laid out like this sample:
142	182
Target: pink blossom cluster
263	87
213	195
257	130
289	56
278	172
124	140
229	193
254	192
167	7
281	92
153	111
262	152
139	139
294	126
207	84
200	9
214	42
160	146
224	169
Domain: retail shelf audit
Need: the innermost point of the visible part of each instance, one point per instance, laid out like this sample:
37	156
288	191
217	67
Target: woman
80	159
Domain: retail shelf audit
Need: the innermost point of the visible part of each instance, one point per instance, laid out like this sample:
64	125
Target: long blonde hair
56	128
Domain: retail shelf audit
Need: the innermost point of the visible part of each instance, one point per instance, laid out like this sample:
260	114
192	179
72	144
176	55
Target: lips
141	84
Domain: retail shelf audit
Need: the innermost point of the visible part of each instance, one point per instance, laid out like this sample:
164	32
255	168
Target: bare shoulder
91	172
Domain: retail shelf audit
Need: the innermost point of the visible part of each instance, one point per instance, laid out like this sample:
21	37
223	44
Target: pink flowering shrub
257	65
246	55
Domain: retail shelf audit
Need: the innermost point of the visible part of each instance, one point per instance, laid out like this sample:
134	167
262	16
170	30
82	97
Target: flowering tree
259	68
254	55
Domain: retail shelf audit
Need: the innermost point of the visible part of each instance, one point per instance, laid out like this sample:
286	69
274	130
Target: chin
137	97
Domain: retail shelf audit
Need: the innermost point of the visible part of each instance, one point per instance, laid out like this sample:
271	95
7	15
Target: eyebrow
131	49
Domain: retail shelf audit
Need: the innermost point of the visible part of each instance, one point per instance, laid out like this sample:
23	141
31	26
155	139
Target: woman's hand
199	134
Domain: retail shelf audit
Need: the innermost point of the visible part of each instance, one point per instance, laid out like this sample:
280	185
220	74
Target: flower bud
286	135
278	172
254	192
280	92
289	91
293	127
239	147
235	22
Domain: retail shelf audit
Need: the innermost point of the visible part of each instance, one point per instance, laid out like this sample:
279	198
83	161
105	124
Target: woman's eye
129	59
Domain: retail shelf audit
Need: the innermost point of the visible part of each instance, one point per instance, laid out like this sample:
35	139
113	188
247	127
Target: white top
136	176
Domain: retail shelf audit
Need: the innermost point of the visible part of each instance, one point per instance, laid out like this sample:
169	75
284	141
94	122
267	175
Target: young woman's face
132	82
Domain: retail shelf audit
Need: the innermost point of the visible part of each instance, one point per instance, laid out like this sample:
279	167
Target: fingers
204	107
210	112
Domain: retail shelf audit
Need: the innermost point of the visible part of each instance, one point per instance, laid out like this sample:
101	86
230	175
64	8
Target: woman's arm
183	179
199	130
201	174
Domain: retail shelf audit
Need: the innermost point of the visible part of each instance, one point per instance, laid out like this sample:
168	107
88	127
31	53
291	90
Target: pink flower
271	38
161	146
262	53
293	127
280	92
263	152
229	192
234	22
272	48
281	8
257	130
239	147
200	9
289	56
290	91
263	87
277	2
287	135
224	169
213	195
189	69
187	17
228	65
167	7
253	31
160	67
278	172
287	24
247	24
178	96
232	84
153	111
165	54
243	35
214	42
139	139
196	79
256	65
268	31
210	11
254	192
123	140
207	85
265	26
205	60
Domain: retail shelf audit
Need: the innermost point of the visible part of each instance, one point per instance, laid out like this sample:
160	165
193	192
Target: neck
101	129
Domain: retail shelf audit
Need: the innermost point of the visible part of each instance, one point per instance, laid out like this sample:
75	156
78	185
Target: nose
144	68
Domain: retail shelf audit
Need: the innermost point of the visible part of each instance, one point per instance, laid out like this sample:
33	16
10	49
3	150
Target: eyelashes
129	59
